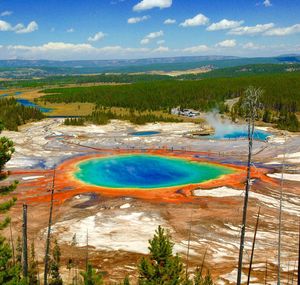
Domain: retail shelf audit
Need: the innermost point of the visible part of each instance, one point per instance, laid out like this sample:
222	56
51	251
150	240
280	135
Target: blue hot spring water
146	171
243	134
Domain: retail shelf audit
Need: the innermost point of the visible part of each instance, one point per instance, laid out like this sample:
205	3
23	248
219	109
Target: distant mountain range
18	68
109	63
140	62
289	58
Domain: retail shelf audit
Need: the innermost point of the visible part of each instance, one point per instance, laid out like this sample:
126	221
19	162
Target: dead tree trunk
24	238
203	260
280	219
49	231
245	208
250	105
253	247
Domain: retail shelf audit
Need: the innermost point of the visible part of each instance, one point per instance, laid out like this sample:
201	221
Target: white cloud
52	46
135	20
226	44
4	26
19	28
196	49
283	31
150	4
65	51
170	21
97	37
71	30
6	13
31	27
155	35
224	25
198	20
146	40
161	49
252	46
267	3
266	29
86	51
251	30
160	42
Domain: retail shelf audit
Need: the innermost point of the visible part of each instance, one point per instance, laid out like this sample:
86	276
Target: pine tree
126	281
91	276
72	262
267	116
9	272
54	266
198	279
6	272
33	267
18	265
6	151
208	280
161	267
19	251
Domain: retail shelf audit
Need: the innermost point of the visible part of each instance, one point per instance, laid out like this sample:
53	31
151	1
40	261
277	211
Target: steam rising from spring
226	129
222	126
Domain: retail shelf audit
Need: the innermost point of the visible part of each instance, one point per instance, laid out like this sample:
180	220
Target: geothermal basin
146	171
198	207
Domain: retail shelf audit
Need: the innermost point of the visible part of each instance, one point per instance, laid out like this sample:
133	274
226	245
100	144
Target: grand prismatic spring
146	171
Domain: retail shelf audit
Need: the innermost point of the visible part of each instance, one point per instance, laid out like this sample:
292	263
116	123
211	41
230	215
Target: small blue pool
145	133
241	134
28	103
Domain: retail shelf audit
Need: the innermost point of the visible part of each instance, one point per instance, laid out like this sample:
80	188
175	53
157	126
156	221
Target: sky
128	29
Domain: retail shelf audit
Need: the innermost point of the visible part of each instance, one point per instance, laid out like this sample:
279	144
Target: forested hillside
244	70
282	92
280	100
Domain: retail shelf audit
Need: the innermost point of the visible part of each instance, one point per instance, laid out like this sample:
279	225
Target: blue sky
107	29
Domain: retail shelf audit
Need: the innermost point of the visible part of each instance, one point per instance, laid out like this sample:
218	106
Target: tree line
14	114
280	100
103	117
83	79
